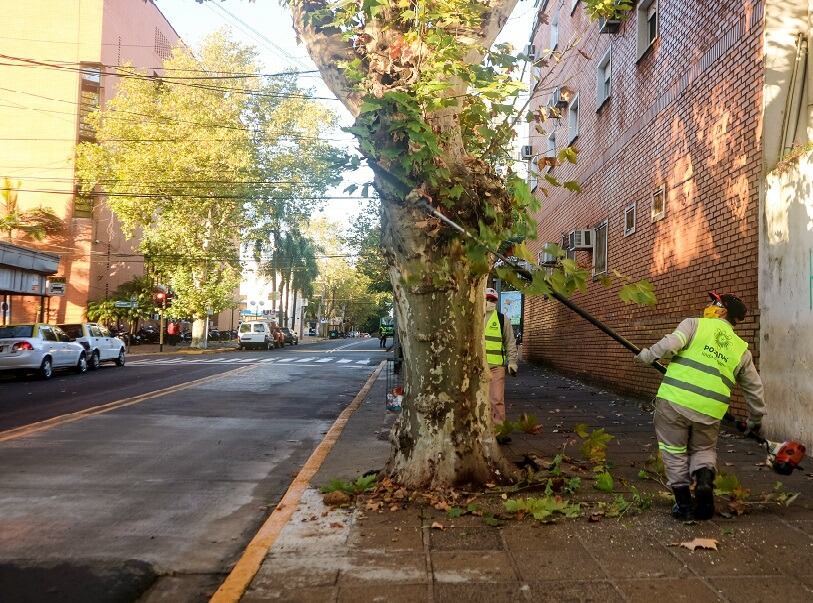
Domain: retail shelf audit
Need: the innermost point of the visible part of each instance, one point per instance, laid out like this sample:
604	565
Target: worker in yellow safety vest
708	358
501	353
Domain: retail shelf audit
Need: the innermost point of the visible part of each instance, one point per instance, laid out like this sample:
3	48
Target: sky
267	26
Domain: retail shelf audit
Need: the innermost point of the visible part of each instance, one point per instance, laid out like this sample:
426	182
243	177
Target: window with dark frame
573	120
600	249
658	204
603	79
554	29
90	90
647	25
629	219
82	204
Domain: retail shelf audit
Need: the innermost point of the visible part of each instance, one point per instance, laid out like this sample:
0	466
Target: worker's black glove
512	369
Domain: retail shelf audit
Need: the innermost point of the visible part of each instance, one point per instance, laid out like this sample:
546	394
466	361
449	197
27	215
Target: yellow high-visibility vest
495	351
701	376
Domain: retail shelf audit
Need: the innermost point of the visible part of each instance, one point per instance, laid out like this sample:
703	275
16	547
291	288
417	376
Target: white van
255	334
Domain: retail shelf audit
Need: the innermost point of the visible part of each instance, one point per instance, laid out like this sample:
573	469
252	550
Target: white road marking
324	360
365	361
307	359
343	360
285	359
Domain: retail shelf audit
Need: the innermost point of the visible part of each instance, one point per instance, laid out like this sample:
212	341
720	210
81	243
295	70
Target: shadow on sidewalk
388	551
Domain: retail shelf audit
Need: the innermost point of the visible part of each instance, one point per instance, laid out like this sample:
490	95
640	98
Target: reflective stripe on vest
701	377
495	355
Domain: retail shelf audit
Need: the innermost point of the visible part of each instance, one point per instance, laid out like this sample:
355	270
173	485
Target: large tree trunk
199	325
444	435
293	311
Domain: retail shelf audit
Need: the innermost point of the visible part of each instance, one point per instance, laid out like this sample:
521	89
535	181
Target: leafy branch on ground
365	483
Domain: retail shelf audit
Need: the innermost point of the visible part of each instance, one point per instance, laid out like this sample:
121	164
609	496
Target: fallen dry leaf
436	525
698	543
336	499
336	524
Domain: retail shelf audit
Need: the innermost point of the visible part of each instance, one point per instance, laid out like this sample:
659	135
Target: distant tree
194	167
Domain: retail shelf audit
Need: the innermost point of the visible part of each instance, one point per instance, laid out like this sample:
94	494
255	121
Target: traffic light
160	299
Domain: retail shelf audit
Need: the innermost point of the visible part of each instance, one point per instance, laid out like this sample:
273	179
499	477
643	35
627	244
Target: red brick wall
685	117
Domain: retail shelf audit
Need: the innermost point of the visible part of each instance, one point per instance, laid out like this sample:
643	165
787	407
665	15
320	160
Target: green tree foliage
138	289
191	168
364	239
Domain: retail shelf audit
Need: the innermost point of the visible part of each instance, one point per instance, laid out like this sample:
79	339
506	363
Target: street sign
55	285
125	304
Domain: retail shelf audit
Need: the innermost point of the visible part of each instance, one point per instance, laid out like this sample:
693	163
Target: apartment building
58	64
690	119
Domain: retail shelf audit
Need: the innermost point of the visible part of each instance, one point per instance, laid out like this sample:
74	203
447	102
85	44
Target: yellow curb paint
26	430
249	563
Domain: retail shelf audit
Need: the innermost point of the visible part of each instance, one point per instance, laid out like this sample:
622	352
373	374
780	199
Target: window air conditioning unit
608	26
526	153
545	258
580	239
530	52
557	99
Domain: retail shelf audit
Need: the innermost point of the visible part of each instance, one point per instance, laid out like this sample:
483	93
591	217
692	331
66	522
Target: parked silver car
40	348
99	344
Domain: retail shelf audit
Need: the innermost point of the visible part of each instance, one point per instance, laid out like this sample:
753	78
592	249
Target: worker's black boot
682	508
704	493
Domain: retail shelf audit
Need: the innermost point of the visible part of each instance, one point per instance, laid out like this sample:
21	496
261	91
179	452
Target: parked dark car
291	338
312	332
334	335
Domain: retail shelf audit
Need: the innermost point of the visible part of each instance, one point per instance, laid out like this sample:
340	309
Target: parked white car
40	348
255	334
99	344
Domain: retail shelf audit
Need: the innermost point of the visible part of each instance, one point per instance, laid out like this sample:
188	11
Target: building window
603	80
162	48
658	204
570	254
573	120
533	180
647	26
600	249
629	220
89	95
550	150
82	204
573	4
554	30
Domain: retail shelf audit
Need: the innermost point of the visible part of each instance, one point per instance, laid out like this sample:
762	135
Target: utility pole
161	324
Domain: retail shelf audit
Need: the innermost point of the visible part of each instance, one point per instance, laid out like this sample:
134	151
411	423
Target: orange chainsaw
783	457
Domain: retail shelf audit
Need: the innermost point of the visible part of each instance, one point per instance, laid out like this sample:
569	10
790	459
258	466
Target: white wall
786	239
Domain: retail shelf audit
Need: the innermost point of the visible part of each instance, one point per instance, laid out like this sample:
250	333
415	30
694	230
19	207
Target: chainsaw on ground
783	457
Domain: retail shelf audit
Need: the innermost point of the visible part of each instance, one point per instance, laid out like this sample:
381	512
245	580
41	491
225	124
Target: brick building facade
60	64
666	116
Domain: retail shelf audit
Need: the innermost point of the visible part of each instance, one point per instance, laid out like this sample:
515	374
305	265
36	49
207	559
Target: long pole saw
525	274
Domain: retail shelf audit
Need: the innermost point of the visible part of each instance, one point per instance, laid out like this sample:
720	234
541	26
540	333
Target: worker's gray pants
685	445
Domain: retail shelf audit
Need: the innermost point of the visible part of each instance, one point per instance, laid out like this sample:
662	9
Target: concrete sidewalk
417	552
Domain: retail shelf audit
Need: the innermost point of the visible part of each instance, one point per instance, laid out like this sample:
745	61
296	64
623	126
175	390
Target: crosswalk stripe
268	360
285	359
365	361
306	359
343	360
324	360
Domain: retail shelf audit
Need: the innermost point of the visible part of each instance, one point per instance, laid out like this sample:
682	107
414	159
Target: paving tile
300	595
791	559
472	566
571	591
465	539
691	590
384	592
630	551
557	564
288	570
387	538
393	568
482	592
763	589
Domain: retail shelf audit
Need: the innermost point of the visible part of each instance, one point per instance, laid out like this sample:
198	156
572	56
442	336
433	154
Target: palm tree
38	223
306	271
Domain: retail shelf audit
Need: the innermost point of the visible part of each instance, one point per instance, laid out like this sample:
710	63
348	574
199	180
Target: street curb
25	430
243	572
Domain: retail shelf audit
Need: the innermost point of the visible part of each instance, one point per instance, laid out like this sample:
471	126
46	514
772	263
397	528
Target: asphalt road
160	497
